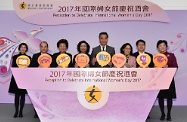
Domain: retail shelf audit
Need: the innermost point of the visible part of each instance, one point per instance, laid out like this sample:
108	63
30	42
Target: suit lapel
38	55
136	54
107	50
98	49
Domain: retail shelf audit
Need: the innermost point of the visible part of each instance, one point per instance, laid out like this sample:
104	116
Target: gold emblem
23	5
93	94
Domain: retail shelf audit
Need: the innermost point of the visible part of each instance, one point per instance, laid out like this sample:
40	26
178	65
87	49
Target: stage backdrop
175	32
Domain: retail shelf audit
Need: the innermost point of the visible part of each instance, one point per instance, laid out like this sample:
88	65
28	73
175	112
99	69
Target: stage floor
7	111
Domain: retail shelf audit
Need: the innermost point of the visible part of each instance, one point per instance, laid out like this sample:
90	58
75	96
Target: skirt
168	93
13	88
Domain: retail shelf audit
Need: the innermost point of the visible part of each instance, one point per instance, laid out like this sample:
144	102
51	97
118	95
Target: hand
94	60
166	66
59	67
119	67
110	64
76	66
140	67
40	66
127	65
87	66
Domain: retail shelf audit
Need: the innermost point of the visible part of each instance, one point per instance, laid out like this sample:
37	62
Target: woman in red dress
170	93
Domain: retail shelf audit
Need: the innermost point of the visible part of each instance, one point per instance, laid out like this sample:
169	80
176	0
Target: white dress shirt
141	53
102	48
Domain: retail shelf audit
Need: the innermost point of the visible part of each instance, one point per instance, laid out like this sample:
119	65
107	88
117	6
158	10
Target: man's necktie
103	48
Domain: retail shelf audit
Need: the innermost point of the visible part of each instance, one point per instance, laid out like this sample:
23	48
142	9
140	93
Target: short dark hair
79	45
44	42
62	41
19	47
140	40
162	41
103	33
123	46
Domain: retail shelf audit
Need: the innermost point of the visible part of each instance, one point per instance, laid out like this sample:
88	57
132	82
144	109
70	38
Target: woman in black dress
170	93
19	93
62	46
82	47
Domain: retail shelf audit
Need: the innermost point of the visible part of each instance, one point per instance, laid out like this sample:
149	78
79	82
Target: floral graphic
9	47
42	105
180	45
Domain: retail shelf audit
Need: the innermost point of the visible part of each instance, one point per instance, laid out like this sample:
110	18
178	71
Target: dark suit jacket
55	55
97	49
34	61
150	65
90	63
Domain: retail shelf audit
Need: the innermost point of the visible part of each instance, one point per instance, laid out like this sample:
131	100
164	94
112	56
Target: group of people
84	47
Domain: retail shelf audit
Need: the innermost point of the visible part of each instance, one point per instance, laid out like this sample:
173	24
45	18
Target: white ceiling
165	4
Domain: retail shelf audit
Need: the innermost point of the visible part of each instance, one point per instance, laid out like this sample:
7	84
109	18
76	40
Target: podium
93	94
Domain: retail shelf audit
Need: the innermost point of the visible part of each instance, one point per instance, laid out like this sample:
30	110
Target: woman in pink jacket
126	49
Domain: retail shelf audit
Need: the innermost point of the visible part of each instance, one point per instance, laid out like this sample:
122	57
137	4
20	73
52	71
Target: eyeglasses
127	48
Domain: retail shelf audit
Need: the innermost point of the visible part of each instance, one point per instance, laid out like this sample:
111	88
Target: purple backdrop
174	32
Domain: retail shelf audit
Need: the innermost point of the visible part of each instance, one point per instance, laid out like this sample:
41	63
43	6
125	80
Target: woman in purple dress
170	93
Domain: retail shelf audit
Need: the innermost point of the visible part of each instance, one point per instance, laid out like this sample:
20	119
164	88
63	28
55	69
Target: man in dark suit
34	61
103	38
43	50
140	44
